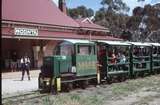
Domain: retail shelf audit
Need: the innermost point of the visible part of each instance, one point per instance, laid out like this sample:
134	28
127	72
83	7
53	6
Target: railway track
22	97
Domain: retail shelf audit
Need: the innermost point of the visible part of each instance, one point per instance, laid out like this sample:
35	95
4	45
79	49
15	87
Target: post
90	34
106	64
131	61
58	83
98	74
151	59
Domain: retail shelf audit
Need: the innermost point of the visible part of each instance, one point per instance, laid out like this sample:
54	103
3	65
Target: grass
130	86
101	95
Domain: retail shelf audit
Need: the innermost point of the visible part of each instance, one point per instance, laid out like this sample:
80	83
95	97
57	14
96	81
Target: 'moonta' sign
26	31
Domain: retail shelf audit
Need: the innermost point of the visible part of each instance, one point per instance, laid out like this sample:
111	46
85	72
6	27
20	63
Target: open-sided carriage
74	63
114	56
155	58
140	59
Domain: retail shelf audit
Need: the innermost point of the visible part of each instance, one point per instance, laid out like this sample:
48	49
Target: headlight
47	83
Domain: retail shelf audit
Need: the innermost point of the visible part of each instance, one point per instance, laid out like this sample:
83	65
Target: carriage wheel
109	81
70	86
40	84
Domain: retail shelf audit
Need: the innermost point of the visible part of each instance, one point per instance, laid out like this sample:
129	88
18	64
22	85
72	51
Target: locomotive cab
73	61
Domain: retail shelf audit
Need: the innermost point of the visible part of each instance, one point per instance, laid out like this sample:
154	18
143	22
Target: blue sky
95	4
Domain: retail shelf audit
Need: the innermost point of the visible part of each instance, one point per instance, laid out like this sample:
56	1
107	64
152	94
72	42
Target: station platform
12	84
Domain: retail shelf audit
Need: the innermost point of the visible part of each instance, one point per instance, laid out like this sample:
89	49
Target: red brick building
36	26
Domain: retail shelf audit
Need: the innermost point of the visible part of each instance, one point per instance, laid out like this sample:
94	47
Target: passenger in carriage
122	61
143	53
135	56
155	55
114	60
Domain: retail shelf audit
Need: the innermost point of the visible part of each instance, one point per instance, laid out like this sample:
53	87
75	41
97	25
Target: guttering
38	24
95	29
54	26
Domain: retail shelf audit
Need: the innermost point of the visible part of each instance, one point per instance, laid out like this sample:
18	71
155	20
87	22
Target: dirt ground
141	91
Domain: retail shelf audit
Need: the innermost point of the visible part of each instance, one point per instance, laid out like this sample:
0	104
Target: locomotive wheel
53	90
84	84
67	87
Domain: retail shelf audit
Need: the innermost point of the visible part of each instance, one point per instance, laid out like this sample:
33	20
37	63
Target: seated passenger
122	58
114	61
122	62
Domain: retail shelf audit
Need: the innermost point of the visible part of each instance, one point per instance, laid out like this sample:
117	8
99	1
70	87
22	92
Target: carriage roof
140	44
155	44
115	42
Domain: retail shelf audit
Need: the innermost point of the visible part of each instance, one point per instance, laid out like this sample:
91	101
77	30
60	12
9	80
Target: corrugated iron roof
35	11
85	23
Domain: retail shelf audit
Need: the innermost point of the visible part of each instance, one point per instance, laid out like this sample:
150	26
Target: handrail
142	62
141	56
127	63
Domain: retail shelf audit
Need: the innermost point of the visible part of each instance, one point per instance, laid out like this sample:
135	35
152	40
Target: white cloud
56	2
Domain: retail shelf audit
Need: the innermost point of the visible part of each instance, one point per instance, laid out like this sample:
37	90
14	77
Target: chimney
62	6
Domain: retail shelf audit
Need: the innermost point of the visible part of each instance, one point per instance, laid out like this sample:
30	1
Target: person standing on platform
25	66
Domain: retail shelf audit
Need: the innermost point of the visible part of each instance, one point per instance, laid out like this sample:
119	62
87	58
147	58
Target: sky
95	4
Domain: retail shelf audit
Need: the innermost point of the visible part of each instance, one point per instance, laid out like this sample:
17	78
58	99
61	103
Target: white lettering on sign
26	31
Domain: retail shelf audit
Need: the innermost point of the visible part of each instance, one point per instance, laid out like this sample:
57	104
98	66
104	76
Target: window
64	49
83	50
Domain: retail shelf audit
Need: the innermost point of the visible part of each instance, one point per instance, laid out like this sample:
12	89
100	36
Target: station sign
26	32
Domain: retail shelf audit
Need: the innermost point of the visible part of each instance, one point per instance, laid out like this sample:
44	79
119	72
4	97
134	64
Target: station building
35	27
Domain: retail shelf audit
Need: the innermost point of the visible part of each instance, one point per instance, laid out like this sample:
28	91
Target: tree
145	23
111	15
138	11
117	6
80	11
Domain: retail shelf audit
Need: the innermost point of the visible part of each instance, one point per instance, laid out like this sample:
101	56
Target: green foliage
80	11
115	5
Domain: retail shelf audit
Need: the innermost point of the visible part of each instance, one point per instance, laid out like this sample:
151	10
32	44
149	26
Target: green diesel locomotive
74	63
